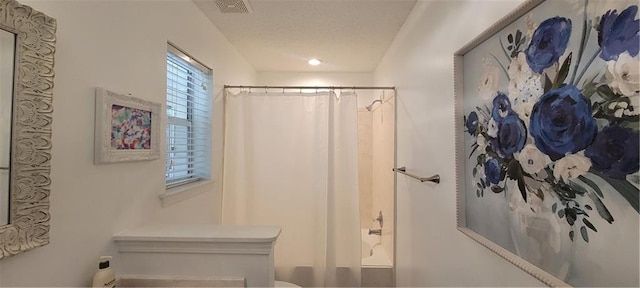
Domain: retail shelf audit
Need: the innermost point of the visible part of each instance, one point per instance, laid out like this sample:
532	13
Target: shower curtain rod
312	87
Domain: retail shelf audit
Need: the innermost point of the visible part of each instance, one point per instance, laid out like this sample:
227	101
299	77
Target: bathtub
377	267
373	253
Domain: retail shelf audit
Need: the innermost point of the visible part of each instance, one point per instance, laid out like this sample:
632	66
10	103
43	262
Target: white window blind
188	119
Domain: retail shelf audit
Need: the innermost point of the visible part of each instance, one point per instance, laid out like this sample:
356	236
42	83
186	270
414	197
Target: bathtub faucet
375	231
379	218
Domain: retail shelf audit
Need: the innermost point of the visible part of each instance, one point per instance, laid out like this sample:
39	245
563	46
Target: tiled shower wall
376	160
383	160
365	162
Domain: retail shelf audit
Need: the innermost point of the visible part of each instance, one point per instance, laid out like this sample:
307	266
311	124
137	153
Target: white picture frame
144	141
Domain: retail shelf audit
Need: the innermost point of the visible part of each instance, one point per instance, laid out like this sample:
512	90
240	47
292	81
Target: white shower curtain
291	161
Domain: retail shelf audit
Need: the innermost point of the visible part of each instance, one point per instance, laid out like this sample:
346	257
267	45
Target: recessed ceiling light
314	62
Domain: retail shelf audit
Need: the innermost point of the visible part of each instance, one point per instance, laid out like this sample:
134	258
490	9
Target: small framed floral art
547	142
126	128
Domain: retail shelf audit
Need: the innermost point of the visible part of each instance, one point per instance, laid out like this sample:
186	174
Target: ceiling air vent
233	6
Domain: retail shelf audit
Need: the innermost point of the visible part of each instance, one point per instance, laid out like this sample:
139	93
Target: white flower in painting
480	175
621	107
492	130
618	113
481	141
524	84
623	75
532	160
524	111
489	81
519	68
633	108
613	105
531	26
527	91
571	166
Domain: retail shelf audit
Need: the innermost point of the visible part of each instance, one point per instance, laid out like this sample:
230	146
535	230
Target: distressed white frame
103	152
29	184
458	61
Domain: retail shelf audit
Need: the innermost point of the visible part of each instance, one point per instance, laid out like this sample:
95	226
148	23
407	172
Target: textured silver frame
458	59
103	153
29	184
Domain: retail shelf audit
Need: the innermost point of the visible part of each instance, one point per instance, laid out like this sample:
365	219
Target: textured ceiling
281	35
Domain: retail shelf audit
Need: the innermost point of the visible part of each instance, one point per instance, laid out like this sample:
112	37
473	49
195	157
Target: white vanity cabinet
228	253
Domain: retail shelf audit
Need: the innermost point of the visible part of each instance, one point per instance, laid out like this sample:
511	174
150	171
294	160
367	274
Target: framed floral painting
126	128
547	143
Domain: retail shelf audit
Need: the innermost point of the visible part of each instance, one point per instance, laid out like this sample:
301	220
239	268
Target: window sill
183	192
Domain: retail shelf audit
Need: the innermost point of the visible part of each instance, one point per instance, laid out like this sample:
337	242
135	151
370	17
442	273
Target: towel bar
403	170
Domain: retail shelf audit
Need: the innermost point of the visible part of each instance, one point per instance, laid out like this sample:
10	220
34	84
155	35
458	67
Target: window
188	119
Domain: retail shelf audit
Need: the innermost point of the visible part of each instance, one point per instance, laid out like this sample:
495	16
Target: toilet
284	284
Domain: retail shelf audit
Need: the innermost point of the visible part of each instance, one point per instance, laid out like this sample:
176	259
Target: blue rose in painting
614	152
561	122
511	137
492	171
548	43
511	132
472	123
619	33
501	107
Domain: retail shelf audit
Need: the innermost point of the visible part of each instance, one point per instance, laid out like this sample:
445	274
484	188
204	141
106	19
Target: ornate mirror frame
29	182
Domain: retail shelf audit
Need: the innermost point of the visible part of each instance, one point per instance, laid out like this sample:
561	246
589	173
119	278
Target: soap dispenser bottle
105	277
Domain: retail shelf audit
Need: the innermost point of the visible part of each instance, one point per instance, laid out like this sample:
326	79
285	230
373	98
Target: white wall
121	46
430	251
314	78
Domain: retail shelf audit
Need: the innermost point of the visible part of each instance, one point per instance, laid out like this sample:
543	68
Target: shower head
368	107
